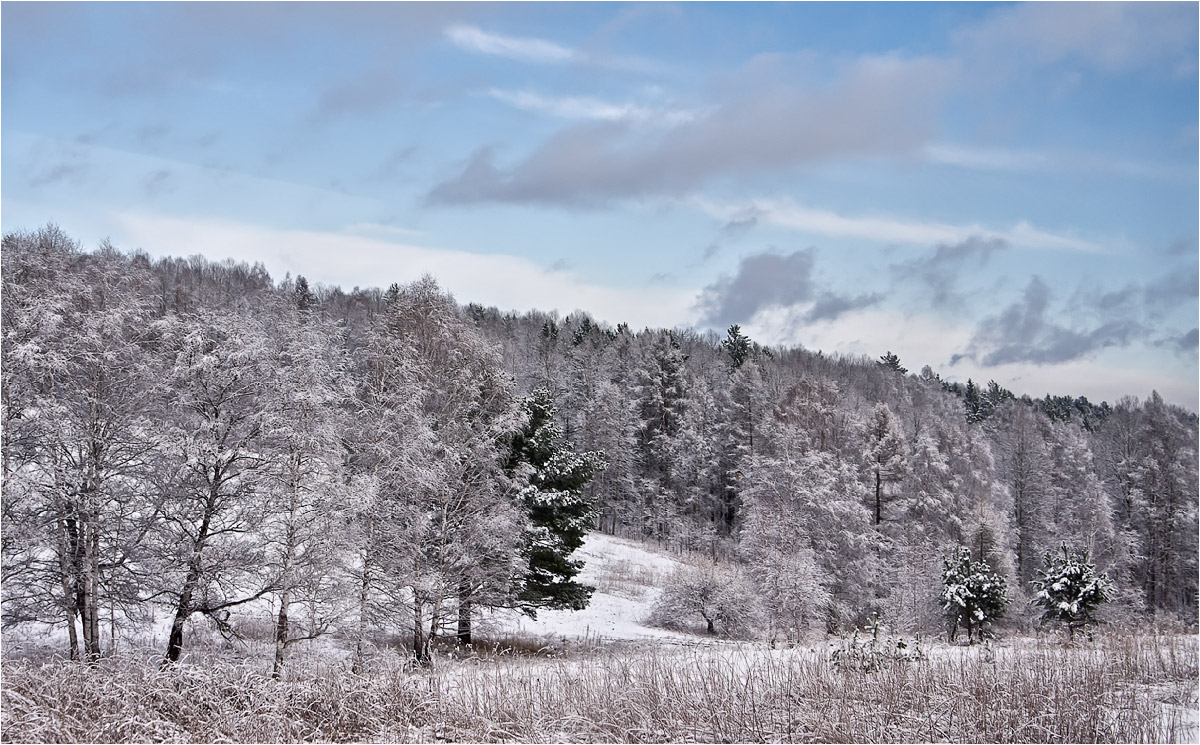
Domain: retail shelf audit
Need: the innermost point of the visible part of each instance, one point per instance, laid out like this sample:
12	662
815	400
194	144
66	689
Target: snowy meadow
602	675
1125	688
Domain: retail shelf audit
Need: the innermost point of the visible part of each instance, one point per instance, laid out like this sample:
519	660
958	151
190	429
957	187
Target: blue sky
999	191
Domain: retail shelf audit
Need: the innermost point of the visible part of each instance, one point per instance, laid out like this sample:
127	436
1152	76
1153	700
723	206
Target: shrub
726	602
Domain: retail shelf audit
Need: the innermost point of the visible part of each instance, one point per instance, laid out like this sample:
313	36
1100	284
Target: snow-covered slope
628	577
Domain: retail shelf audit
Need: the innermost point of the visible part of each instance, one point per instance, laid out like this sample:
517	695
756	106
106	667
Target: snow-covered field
628	577
628	682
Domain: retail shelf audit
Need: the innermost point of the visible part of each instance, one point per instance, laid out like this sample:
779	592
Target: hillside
628	577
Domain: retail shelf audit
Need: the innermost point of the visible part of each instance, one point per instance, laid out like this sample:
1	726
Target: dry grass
627	578
1112	692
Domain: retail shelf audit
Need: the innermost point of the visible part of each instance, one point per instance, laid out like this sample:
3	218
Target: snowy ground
628	578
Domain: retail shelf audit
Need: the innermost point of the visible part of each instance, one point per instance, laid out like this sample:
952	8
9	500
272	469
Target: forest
186	439
348	486
196	451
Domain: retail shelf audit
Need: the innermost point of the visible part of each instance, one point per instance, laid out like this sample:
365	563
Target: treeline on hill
189	438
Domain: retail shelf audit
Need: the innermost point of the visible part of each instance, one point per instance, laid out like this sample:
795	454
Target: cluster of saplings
185	440
1067	593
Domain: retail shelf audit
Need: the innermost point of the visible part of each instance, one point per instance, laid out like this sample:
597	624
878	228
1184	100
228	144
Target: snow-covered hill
628	577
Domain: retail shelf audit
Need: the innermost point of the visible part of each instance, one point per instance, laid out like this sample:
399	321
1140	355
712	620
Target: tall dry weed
1136	689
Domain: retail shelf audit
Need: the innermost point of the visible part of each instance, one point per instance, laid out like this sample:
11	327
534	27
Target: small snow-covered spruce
1069	590
973	595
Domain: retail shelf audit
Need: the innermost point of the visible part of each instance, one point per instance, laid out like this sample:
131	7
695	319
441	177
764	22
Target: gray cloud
738	226
1187	342
1150	301
707	253
159	182
772	279
741	223
55	165
762	280
938	273
1026	332
877	106
829	306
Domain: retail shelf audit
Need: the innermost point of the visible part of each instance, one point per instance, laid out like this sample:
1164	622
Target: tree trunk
72	609
285	589
184	609
420	642
364	596
878	496
281	632
464	621
90	581
65	569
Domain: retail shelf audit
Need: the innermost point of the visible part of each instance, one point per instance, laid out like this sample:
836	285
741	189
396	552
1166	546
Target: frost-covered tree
79	434
886	453
719	596
1024	467
306	404
663	388
559	513
1069	590
778	546
973	596
459	530
216	494
801	499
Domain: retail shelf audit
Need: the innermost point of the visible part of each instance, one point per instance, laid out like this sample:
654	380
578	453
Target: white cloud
788	214
593	109
529	49
986	158
507	282
1001	159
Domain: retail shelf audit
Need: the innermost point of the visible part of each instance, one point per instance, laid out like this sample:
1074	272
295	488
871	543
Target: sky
998	191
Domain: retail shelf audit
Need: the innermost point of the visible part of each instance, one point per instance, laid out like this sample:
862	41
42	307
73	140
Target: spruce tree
973	595
560	515
1069	590
738	346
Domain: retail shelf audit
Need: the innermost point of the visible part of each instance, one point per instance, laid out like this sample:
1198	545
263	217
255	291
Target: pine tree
559	513
892	362
887	454
973	595
973	402
1069	591
737	345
